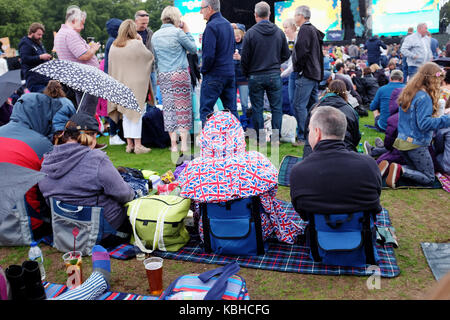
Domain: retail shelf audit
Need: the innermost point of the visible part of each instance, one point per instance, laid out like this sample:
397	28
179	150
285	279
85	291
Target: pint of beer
154	267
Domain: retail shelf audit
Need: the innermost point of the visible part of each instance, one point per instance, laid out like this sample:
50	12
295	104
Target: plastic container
360	148
35	254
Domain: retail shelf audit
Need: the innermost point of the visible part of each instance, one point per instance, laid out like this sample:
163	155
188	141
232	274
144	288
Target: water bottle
360	148
35	254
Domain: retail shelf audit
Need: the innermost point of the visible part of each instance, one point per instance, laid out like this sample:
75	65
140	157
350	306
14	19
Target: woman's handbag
159	220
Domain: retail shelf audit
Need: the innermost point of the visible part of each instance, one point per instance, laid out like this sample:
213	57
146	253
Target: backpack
219	284
342	239
153	134
233	227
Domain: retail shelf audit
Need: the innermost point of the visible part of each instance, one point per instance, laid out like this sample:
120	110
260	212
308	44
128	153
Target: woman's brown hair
127	31
428	78
71	132
54	89
338	87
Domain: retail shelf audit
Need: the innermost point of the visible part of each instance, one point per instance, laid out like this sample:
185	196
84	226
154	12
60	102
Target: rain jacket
79	175
226	171
23	141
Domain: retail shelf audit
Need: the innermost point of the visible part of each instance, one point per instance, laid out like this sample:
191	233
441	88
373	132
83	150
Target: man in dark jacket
307	60
264	49
332	179
218	45
32	53
373	46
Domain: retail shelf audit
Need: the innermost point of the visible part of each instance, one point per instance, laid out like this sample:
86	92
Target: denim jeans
405	70
306	95
271	84
213	88
412	70
292	78
243	95
419	167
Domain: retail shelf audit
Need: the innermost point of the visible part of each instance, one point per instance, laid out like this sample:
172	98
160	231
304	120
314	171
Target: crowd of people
53	128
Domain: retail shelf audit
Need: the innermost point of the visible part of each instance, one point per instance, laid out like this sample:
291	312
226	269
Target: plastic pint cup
154	268
74	268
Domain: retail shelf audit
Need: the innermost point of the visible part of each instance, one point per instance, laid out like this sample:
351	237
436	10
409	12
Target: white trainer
116	141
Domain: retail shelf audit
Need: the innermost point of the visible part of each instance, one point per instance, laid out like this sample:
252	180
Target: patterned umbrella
89	79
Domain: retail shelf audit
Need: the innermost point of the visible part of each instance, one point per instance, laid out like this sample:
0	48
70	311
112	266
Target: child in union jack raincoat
226	171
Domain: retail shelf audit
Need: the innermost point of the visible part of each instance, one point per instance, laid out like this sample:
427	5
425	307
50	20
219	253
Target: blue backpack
342	239
233	227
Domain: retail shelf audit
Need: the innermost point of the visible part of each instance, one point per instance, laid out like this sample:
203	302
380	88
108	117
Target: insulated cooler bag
159	220
342	239
233	227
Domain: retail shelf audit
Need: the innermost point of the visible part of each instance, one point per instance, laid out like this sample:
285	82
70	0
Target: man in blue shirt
218	45
380	104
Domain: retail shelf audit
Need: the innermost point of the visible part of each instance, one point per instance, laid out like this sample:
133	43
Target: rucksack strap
367	234
218	289
337	224
256	214
206	227
311	234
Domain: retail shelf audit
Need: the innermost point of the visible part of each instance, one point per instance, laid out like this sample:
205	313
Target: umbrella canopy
9	82
90	80
15	182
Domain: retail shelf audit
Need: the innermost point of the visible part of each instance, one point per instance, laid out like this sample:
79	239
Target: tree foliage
17	15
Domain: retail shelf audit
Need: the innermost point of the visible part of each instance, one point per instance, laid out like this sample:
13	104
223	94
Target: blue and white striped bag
219	284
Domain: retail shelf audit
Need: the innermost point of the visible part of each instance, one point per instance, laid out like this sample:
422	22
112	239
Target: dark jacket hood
266	28
373	39
36	111
112	27
63	159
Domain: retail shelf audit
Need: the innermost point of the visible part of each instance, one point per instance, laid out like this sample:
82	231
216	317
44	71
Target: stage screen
325	14
391	18
190	10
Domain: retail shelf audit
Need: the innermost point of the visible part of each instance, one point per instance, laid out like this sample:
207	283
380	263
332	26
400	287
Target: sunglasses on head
212	113
143	15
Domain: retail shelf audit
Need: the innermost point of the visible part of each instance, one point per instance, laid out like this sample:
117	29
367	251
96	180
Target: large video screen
325	14
391	18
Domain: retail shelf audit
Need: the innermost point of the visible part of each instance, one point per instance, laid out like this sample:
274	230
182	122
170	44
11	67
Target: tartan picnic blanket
289	161
290	258
53	290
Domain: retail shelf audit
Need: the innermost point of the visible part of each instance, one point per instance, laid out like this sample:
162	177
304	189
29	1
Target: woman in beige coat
130	62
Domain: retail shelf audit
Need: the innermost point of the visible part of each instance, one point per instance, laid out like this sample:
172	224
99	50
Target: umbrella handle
81	101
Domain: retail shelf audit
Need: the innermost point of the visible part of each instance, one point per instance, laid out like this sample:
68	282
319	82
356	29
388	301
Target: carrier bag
159	220
90	221
219	284
343	239
233	227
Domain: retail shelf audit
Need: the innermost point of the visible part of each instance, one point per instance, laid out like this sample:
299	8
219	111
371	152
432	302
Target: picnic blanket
438	258
290	258
52	290
289	161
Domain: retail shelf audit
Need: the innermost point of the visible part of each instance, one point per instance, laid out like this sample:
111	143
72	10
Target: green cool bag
159	220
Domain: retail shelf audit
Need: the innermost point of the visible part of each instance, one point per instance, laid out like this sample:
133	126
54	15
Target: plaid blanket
285	169
53	290
290	258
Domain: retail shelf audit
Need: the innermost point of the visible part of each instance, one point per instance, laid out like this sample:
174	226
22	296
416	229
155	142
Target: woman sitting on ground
80	175
336	96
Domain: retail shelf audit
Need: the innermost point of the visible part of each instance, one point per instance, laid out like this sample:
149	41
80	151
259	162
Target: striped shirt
69	45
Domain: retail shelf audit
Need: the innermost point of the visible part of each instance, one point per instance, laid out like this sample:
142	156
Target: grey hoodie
79	175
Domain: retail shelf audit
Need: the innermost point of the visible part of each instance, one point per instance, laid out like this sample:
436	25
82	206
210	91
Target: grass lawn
417	215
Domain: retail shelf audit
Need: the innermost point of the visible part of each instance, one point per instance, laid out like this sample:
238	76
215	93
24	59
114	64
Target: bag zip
174	204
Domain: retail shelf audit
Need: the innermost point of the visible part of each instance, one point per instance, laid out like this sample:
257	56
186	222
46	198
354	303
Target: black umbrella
9	82
89	79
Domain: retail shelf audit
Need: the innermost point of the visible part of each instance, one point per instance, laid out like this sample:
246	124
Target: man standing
353	50
141	18
333	179
307	59
264	49
380	104
373	46
417	49
32	53
218	45
69	45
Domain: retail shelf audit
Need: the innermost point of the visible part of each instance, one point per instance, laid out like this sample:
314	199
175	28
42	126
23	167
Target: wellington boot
32	278
14	274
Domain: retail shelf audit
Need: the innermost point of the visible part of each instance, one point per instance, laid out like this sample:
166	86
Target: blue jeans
412	70
213	88
306	95
405	70
271	84
153	81
419	167
243	94
292	78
